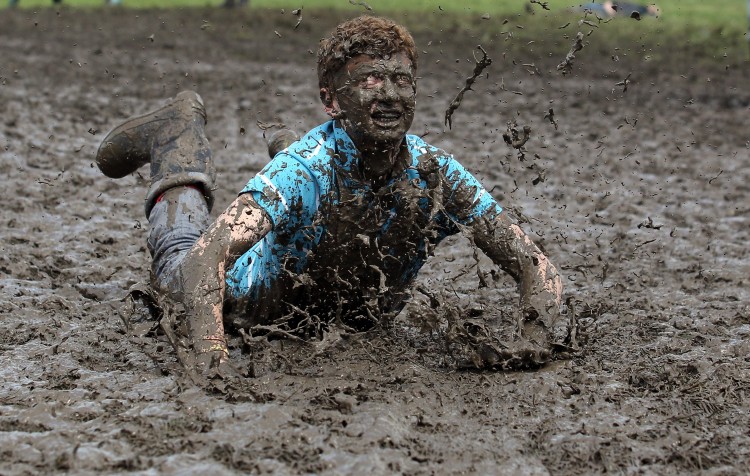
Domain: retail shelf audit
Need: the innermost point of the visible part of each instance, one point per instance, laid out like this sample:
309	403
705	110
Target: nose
388	91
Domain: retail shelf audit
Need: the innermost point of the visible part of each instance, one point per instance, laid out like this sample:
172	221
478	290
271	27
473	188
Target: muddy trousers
176	222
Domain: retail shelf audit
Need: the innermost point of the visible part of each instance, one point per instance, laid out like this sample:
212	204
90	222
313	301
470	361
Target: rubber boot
280	140
172	139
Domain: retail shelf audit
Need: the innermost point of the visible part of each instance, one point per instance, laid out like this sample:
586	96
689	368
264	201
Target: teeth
387	115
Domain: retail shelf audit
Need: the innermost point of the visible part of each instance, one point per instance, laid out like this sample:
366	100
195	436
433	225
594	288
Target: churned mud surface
638	191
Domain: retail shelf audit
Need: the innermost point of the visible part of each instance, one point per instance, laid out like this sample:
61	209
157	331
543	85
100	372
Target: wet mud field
640	196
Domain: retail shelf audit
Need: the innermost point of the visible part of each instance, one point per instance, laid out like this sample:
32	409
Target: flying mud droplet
566	67
544	5
551	117
361	3
517	138
624	83
298	14
264	126
479	66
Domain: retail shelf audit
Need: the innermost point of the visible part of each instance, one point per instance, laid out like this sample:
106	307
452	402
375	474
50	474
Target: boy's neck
379	160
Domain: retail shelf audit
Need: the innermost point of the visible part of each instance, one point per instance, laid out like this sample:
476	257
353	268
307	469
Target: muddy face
376	98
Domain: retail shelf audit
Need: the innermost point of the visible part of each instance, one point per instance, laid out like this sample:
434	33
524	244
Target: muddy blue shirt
324	216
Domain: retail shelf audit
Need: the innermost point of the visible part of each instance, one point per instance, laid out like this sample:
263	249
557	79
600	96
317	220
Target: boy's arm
538	281
238	228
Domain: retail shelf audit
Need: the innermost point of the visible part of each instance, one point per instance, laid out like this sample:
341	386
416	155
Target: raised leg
178	203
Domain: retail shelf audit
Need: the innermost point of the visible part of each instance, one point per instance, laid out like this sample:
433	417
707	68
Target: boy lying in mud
337	225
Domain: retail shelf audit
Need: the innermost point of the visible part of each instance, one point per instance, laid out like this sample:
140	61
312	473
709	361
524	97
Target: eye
403	80
372	80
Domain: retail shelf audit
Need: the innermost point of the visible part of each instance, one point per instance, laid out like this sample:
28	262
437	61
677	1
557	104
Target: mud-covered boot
280	140
172	139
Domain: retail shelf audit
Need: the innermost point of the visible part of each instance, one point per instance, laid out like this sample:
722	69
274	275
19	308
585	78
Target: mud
640	196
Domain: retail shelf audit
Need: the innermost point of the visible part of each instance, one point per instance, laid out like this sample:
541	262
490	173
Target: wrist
211	344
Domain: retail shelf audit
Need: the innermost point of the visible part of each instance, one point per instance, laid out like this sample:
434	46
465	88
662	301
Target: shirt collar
347	156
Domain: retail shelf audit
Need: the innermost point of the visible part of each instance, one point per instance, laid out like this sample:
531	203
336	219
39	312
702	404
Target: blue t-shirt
325	216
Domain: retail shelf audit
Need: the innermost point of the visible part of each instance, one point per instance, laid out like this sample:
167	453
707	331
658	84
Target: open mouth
386	117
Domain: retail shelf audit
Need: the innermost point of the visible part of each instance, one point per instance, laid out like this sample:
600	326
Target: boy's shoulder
315	149
420	150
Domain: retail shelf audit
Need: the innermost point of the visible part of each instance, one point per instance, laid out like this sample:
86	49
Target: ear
330	104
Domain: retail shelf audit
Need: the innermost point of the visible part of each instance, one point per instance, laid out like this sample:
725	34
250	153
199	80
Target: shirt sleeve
468	199
285	189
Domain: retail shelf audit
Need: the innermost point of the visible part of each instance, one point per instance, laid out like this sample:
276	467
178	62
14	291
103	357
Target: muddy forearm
204	275
510	248
204	297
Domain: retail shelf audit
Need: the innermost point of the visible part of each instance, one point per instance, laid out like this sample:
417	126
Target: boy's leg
180	197
176	222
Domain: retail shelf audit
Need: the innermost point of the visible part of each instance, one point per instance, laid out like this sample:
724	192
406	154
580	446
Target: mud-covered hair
368	35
